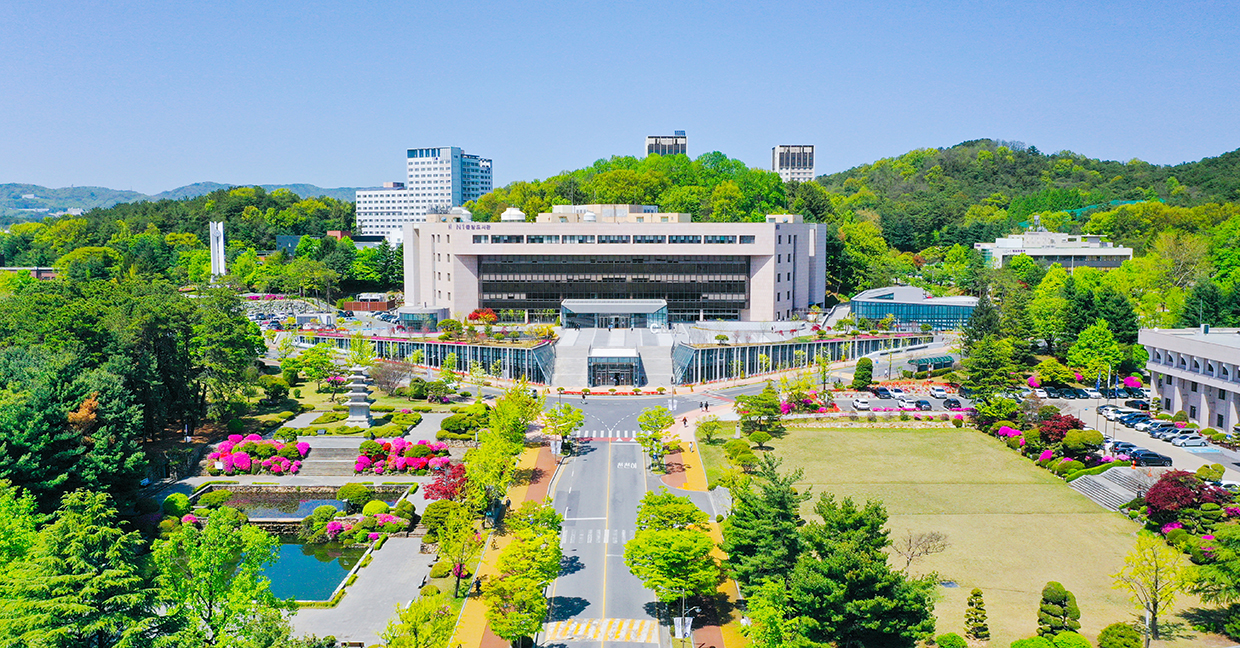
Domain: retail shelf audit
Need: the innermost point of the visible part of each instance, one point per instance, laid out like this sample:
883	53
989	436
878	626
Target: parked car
1166	433
1052	392
1041	393
938	392
904	402
1093	393
1124	447
1190	441
950	403
896	392
1067	393
1149	458
882	392
861	403
924	405
1080	393
1136	392
1102	409
1137	404
1132	419
1146	393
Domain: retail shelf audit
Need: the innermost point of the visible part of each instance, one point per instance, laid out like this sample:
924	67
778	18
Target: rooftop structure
675	144
436	179
1196	371
912	305
793	162
1068	250
703	271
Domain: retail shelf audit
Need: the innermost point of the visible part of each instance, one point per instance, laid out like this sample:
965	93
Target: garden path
392	578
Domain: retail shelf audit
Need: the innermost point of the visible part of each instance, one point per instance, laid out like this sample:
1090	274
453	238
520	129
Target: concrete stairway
1106	493
657	362
323	462
571	366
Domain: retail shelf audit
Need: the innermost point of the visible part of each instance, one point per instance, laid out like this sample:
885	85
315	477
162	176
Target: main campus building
615	266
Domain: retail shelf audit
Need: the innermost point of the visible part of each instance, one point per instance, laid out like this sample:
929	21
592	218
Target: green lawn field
1012	526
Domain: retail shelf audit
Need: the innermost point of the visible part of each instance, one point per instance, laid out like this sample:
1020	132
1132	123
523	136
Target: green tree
427	622
211	579
1048	308
515	600
18	524
447	368
1058	611
361	351
226	345
760	411
761	537
863	374
654	422
1119	314
673	562
708	426
771	624
1119	635
983	321
79	584
1096	350
975	625
988	368
1081	309
318	363
662	510
1052	372
460	543
1154	575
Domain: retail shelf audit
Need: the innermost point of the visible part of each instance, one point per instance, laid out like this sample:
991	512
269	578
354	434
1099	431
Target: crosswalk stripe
609	629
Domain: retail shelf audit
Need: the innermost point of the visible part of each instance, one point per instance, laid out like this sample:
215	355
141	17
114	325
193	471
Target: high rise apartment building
437	179
793	162
675	144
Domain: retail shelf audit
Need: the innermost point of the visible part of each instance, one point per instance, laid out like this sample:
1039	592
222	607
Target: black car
1134	392
1133	419
881	392
1137	404
1051	392
924	405
950	403
1124	447
1067	393
1080	393
1148	458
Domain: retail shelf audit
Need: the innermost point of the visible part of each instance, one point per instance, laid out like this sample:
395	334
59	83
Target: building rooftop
1223	337
911	295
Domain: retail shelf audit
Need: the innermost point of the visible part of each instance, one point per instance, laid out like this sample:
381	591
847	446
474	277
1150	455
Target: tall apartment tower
437	179
793	162
677	143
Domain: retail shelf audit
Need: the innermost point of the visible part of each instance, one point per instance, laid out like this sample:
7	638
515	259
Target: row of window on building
623	239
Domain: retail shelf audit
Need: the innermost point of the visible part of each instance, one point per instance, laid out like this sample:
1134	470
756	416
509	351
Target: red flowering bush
483	316
1177	490
1053	429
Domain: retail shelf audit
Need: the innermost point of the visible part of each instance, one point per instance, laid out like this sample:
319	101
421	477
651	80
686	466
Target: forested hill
980	189
26	202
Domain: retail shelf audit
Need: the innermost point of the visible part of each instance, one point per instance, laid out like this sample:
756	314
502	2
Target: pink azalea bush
1078	376
189	519
1171	526
1046	455
1033	382
1132	381
1007	432
400	455
242	455
1232	511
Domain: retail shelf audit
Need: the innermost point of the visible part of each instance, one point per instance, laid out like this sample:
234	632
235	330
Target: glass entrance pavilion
613	313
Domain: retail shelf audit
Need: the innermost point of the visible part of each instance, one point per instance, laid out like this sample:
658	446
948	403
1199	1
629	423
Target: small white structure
216	231
359	399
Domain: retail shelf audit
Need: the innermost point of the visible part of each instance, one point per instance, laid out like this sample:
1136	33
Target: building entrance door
611	376
614	321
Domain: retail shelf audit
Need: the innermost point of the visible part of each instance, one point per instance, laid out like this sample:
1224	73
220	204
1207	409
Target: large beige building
1196	371
1068	250
702	271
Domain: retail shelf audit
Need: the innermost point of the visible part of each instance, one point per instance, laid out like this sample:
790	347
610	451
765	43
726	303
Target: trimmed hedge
1096	470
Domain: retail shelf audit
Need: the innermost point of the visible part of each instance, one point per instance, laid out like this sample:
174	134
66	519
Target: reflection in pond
310	572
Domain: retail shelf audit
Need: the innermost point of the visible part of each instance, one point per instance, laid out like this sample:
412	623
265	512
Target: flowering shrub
1033	382
372	536
1046	455
398	455
253	454
1232	511
1078	376
1007	432
189	519
1171	526
1132	382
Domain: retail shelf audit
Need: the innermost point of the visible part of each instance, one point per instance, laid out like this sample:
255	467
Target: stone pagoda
359	399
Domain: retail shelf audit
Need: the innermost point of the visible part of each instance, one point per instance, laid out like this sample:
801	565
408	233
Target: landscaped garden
1010	526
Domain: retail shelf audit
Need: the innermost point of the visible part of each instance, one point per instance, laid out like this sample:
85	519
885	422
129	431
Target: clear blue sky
153	95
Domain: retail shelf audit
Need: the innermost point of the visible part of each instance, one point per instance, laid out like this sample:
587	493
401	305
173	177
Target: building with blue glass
912	305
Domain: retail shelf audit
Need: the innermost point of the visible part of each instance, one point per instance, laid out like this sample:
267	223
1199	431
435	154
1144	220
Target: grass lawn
1012	526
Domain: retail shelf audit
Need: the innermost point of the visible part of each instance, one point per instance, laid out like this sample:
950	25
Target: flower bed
381	457
254	455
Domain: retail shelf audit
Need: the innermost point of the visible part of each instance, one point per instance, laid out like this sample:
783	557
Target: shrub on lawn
1032	642
375	507
1119	635
441	570
429	590
176	505
215	498
950	640
355	495
1071	640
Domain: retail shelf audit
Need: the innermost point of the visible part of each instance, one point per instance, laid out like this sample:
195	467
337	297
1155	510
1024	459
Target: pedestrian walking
707	406
685	420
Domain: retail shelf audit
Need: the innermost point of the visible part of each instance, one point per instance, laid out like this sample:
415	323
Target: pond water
279	505
310	572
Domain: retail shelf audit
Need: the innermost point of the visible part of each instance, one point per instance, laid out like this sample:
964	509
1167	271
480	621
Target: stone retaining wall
291	526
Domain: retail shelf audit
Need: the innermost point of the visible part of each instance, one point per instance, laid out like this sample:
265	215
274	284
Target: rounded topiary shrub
441	570
1071	640
375	507
429	590
950	640
1119	635
176	505
215	498
355	495
1033	642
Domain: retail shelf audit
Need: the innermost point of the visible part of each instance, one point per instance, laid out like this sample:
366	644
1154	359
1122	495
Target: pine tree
1203	306
1016	325
1058	611
982	322
1117	310
975	617
762	536
863	375
989	368
1081	311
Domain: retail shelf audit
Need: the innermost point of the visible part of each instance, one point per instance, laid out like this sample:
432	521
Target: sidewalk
472	629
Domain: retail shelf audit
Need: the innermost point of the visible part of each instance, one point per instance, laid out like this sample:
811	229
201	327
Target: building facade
1196	371
912	305
436	180
727	271
675	144
793	162
1047	248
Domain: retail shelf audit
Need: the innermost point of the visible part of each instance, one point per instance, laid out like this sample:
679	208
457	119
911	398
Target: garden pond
288	505
310	572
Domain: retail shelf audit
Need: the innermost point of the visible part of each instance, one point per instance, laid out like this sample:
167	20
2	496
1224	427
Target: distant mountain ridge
19	202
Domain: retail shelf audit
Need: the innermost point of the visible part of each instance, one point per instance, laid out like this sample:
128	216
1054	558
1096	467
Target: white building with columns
1197	371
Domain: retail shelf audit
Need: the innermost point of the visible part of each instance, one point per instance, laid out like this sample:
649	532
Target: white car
938	392
1040	393
861	403
896	393
1190	441
1093	393
1119	413
906	402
